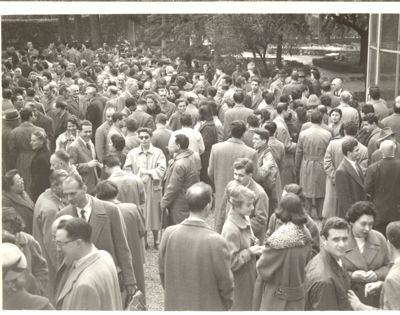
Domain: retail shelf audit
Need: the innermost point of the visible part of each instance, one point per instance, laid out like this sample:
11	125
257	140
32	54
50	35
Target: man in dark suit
83	156
143	119
349	178
109	232
382	184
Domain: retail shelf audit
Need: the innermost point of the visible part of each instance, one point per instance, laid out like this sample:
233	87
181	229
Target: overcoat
310	152
194	266
93	285
209	134
375	257
160	140
220	168
143	119
393	121
238	112
101	140
237	233
182	172
7	126
382	184
391	288
40	170
349	187
154	162
333	158
80	156
326	284
372	140
278	152
22	204
280	270
21	153
108	233
44	214
23	300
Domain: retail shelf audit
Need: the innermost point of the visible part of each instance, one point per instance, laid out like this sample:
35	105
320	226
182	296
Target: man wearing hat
393	121
374	131
11	120
388	134
382	184
15	297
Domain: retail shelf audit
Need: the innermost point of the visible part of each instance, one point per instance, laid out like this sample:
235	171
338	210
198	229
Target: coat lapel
354	255
98	219
371	248
24	201
350	169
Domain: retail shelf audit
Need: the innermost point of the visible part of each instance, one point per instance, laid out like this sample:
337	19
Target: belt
290	294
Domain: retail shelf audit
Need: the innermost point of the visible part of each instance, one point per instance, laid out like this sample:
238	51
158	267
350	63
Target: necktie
83	215
359	170
89	148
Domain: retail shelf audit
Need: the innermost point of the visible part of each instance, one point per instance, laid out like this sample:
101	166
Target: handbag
135	302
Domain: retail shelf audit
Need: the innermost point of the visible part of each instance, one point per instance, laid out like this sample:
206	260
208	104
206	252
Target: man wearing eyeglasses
92	282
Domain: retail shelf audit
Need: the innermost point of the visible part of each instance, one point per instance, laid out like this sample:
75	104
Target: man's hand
373	288
371	276
354	301
256	249
358	276
93	163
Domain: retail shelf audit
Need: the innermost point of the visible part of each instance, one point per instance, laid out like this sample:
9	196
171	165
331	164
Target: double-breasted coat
194	266
310	152
92	285
108	233
80	156
280	270
152	161
237	233
349	187
375	257
40	170
332	159
182	172
220	168
21	153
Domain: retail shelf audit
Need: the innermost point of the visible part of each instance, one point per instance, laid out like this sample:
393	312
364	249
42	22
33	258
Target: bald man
348	113
337	86
382	184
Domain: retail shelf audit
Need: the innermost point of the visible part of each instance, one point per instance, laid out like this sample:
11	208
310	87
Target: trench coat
93	285
332	159
349	187
280	270
22	204
182	172
109	234
40	170
190	285
154	162
326	284
44	214
220	167
375	257
237	233
382	184
310	152
21	153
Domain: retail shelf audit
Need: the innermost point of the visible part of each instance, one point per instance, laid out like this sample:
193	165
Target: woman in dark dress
40	166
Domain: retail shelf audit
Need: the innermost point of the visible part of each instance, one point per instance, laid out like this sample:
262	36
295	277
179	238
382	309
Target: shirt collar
82	260
87	208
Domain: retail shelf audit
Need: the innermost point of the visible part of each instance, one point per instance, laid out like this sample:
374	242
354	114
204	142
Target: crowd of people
101	147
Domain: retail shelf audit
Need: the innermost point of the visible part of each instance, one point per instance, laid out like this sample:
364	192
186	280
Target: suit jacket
108	234
188	284
391	289
375	257
349	187
382	184
93	285
80	157
326	284
256	99
143	119
101	138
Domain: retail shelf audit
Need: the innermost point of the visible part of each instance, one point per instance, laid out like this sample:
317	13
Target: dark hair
368	109
375	92
211	91
131	124
348	145
297	190
182	140
326	100
265	114
281	107
291	210
129	102
252	120
269	97
316	117
205	113
11	216
227	79
77	228
62	155
271	127
186	119
244	163
326	86
333	223
350	128
238	96
30	92
181	100
84	123
111	160
8	179
371	119
106	190
393	233
118	142
146	130
238	128
264	134
7	93
358	209
316	74
26	113
161	118
337	110
198	196
213	107
117	116
296	94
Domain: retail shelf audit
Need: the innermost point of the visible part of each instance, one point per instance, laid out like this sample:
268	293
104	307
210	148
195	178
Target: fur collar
290	235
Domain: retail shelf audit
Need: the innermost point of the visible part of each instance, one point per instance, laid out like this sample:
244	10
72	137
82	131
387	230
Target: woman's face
150	103
335	117
182	107
362	226
36	143
71	127
246	208
18	184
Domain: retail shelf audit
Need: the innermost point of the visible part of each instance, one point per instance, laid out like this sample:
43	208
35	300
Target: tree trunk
63	28
364	49
163	40
279	51
94	21
78	28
